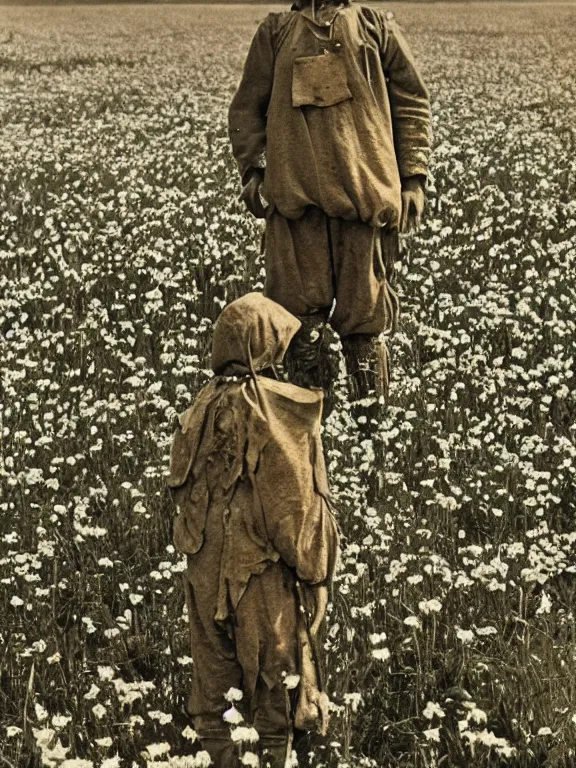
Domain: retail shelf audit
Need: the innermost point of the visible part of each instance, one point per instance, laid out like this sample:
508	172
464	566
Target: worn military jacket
340	111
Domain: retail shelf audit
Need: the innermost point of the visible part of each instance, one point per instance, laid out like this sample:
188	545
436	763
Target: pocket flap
319	81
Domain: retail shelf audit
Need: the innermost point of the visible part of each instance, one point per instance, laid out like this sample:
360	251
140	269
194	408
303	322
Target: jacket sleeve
298	520
409	103
247	113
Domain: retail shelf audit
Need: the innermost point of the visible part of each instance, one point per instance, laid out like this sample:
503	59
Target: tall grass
450	639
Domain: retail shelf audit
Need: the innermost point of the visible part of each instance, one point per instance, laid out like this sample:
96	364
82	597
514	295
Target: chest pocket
319	81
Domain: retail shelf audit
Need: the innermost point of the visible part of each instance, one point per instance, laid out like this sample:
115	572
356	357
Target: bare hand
251	196
413	202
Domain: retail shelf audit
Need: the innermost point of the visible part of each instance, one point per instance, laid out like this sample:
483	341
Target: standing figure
331	123
248	477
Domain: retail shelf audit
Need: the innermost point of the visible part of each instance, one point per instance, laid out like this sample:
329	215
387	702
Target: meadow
451	633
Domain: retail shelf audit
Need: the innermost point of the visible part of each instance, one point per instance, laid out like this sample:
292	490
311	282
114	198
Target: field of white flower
451	635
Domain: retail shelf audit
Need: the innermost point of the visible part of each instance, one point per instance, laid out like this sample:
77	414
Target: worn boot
368	375
367	366
309	360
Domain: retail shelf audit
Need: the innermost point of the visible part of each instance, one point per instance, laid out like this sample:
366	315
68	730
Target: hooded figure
248	477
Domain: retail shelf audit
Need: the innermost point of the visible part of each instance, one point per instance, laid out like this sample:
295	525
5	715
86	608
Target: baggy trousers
250	654
314	260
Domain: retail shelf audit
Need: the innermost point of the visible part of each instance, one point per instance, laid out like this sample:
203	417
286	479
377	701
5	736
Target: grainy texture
121	239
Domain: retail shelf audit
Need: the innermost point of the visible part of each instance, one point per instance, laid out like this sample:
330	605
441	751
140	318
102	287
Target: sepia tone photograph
287	384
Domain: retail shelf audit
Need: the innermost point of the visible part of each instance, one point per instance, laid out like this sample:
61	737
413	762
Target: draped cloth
248	478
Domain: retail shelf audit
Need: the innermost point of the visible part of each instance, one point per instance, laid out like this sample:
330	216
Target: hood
251	334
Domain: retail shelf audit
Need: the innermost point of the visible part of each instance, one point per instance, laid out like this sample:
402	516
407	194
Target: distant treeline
254	2
149	2
222	2
157	2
